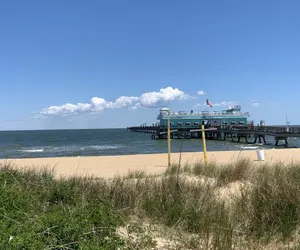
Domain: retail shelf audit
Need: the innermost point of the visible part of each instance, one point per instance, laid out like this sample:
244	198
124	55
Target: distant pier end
230	123
222	133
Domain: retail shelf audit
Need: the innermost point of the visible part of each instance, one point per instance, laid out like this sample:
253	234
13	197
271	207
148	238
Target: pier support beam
278	138
245	136
260	138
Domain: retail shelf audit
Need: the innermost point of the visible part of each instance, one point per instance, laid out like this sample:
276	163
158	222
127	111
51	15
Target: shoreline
109	166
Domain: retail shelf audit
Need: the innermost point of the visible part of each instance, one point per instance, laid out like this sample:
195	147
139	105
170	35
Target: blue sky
150	53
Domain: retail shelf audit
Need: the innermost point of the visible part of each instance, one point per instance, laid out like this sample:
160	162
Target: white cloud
97	104
67	109
161	98
201	92
223	104
219	104
126	102
136	106
255	103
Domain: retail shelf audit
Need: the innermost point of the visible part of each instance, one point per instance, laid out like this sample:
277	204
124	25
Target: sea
101	142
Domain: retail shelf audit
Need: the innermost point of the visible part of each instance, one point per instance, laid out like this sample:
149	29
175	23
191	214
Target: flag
208	103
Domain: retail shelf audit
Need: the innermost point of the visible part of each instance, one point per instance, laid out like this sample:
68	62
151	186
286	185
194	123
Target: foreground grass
39	212
235	206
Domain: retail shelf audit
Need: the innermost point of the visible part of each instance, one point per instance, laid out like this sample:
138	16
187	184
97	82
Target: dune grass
39	212
241	205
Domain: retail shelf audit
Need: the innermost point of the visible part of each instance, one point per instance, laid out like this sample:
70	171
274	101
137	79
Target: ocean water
96	142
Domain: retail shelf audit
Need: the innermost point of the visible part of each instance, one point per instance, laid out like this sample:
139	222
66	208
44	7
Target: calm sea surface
95	142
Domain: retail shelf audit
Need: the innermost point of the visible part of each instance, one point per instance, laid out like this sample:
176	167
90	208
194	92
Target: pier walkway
236	133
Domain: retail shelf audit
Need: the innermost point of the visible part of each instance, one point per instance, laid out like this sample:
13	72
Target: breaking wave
249	147
33	150
72	148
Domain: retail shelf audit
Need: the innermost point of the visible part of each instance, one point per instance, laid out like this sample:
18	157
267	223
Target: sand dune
108	166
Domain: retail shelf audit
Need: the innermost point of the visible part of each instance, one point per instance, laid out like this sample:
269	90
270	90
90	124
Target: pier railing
249	129
267	129
222	132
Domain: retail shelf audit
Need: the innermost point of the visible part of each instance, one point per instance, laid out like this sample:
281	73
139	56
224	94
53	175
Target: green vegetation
40	212
243	205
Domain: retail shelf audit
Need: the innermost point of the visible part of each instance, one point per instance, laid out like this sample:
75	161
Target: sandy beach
109	166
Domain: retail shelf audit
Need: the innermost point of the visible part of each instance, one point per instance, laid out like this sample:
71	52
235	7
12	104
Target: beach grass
241	205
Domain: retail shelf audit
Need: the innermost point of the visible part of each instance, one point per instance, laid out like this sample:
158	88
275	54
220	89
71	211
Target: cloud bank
164	96
98	105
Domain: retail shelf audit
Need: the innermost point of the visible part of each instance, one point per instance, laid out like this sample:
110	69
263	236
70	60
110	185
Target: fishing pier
248	134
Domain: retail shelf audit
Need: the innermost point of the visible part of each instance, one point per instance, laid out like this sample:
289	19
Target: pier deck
259	133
